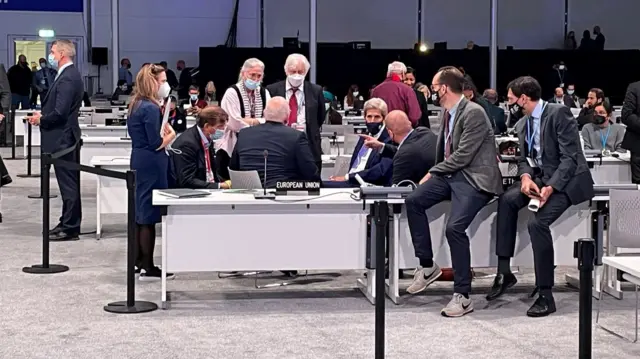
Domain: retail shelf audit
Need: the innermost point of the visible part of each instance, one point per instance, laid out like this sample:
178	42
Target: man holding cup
553	176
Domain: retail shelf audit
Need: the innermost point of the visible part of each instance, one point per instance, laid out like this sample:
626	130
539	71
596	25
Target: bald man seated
289	156
415	151
562	99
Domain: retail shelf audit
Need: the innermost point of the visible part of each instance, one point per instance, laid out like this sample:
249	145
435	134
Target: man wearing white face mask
306	101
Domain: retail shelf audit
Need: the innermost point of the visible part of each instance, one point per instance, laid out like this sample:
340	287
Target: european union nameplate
311	187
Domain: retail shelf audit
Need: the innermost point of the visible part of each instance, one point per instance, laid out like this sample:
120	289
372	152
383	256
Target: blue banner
42	5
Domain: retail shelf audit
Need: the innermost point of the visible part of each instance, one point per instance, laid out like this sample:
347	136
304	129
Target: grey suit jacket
473	149
564	166
5	91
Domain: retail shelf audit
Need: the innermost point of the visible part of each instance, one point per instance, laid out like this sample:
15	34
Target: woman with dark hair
353	95
149	160
586	43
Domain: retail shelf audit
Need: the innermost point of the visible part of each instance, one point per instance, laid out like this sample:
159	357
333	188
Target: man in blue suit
60	132
365	162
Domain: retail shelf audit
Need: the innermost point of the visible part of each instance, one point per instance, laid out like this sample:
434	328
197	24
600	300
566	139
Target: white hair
249	64
277	110
66	47
376	104
396	67
294	60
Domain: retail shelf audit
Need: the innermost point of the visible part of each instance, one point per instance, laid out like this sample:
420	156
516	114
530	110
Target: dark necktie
532	144
293	106
447	137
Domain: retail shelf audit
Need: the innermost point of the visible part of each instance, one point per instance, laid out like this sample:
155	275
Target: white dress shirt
61	68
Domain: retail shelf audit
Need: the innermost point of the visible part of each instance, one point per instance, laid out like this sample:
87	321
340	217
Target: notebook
184	193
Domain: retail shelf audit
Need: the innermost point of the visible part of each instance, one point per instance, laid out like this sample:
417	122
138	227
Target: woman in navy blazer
377	170
148	159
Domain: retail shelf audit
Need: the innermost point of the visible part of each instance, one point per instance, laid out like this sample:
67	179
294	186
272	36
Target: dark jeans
509	204
466	202
20	100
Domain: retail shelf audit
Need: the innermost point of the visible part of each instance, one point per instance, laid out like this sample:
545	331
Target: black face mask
374	128
516	111
435	98
599	120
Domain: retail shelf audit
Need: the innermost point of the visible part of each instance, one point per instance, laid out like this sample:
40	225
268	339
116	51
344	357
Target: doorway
35	48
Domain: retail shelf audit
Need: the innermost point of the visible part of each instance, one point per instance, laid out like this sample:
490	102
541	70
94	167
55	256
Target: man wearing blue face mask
193	162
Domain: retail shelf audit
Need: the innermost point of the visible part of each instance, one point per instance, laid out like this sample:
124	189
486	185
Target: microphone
264	194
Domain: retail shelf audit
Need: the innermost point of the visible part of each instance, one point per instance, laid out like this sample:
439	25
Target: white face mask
295	80
570	92
355	93
327	106
164	90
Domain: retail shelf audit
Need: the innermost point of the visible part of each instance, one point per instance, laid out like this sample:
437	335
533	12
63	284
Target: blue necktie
361	153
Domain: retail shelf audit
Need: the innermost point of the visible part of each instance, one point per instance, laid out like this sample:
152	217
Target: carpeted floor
61	315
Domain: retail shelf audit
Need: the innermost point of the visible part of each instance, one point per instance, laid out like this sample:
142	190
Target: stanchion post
45	267
44	167
29	136
13	133
584	250
381	217
131	306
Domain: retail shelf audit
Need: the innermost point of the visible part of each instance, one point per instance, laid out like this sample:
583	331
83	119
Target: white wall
618	20
523	24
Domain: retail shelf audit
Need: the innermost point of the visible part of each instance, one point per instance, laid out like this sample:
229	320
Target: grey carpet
61	315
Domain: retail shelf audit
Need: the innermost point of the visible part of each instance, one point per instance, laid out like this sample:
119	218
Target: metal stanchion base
138	307
39	196
40	269
26	175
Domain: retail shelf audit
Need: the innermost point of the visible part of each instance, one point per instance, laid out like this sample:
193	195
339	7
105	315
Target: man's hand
371	142
425	178
527	186
338	178
224	185
545	193
35	119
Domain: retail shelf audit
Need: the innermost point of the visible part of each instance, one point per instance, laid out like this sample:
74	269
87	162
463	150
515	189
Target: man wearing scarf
396	94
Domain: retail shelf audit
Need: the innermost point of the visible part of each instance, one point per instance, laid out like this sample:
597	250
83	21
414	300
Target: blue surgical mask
217	135
194	97
250	84
52	61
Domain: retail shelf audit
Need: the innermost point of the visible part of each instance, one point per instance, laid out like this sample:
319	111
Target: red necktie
447	136
293	106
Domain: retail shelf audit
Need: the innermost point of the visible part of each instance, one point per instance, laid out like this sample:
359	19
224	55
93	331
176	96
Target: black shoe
290	273
55	230
542	307
501	283
62	236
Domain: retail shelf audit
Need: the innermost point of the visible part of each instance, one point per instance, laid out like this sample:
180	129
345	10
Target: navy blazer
379	170
59	125
39	78
289	153
188	169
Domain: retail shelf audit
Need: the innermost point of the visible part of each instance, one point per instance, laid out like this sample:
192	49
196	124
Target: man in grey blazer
553	171
467	174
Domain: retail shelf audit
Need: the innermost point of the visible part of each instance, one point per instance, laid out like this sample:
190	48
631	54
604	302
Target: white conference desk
342	245
111	194
611	170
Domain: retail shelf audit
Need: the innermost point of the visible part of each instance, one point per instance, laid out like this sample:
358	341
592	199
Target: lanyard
207	163
605	138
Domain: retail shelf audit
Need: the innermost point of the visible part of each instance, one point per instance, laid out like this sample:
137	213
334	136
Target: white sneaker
423	277
458	306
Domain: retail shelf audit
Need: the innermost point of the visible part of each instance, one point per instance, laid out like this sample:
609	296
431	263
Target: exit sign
42	5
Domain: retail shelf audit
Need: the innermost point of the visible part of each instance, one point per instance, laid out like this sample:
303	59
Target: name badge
532	163
43	81
179	122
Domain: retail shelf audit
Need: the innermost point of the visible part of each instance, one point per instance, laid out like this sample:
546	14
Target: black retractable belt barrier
381	218
131	305
584	250
12	121
28	174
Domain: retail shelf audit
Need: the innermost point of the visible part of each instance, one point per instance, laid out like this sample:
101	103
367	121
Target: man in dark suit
60	132
553	171
562	99
365	162
495	111
467	174
171	76
194	167
414	151
288	152
306	102
599	40
630	116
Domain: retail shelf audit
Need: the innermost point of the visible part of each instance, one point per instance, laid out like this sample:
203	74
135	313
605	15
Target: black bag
5	179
